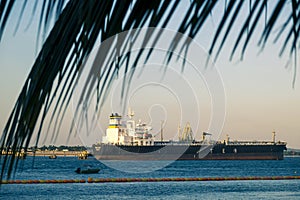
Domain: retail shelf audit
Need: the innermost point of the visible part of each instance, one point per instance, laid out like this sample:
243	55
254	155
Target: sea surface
63	168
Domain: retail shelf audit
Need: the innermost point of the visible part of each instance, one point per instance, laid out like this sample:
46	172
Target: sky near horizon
260	97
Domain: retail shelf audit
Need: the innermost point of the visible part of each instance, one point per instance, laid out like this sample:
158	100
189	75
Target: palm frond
5	9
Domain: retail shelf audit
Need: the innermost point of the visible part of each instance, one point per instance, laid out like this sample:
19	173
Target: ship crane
187	134
204	134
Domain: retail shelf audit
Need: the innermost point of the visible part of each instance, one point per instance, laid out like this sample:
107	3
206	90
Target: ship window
234	150
223	150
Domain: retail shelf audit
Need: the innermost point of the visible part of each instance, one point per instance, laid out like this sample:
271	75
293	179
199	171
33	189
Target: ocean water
63	168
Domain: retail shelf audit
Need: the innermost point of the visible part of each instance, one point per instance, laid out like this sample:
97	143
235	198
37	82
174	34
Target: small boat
87	171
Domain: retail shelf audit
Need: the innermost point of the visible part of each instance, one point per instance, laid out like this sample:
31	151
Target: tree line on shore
58	148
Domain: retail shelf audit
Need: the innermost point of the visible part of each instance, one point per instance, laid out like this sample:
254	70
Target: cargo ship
131	140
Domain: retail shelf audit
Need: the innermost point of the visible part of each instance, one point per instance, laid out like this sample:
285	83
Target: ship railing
253	143
192	143
171	143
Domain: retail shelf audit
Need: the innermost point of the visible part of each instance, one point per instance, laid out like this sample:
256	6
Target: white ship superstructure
128	132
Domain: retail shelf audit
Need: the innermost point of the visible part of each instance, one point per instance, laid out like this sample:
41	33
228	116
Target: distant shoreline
57	153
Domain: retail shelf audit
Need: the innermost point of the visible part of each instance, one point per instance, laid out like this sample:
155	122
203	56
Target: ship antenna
227	139
179	138
130	113
161	131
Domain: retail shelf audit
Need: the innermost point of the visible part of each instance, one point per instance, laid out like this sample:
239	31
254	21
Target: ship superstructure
127	133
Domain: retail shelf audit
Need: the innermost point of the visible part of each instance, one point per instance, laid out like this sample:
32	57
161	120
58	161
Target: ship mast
161	131
179	130
130	113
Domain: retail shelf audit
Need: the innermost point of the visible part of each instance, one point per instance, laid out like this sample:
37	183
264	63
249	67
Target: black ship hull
219	151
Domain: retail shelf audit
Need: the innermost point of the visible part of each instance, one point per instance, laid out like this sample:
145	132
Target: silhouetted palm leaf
80	24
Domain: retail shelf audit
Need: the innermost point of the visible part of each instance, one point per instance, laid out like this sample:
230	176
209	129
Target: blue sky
260	97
